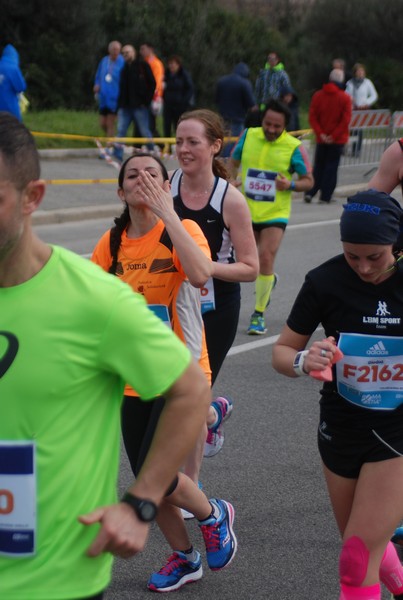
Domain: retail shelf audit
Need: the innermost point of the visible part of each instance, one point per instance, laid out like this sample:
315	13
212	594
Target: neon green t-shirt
69	339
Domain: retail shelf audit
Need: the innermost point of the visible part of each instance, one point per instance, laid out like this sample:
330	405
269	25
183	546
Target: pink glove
326	374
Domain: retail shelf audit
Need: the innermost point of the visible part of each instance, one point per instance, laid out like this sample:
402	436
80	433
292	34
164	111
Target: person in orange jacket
157	67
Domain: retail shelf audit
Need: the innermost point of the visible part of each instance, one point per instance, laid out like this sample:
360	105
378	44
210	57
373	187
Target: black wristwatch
146	510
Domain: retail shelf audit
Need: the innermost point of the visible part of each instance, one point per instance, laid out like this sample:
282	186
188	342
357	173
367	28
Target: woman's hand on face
158	199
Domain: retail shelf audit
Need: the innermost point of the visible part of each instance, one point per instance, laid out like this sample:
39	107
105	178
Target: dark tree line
60	43
369	32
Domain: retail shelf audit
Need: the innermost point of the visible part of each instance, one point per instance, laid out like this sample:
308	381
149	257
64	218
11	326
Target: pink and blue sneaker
218	535
177	571
215	435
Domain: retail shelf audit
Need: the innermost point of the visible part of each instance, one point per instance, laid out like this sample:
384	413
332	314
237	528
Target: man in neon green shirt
269	156
70	337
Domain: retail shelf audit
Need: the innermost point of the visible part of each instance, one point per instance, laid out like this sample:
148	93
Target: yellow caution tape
166	141
71	136
78	181
135	140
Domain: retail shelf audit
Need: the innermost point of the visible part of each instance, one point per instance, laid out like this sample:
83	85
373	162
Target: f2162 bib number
374	373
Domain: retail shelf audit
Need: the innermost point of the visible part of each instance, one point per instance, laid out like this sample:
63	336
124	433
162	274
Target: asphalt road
269	466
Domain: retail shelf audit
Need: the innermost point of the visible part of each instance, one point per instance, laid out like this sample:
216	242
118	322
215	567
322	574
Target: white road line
253	345
310	225
258	344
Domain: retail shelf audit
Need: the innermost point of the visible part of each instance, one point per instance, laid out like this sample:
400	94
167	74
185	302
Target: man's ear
33	195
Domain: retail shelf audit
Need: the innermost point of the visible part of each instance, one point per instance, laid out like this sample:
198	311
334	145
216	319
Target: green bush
63	122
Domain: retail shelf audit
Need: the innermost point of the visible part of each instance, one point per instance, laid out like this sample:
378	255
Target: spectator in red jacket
329	117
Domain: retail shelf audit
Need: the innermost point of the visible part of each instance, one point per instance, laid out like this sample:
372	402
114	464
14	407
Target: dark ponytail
116	233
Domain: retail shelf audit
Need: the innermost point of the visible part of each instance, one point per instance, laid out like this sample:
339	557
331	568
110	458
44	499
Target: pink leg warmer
371	592
391	570
353	563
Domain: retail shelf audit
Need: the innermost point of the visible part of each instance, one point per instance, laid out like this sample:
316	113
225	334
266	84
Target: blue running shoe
257	325
223	406
178	571
219	538
215	435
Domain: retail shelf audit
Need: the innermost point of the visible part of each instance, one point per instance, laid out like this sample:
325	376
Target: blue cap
371	217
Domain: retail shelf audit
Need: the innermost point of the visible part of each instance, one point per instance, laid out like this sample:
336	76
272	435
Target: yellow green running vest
259	154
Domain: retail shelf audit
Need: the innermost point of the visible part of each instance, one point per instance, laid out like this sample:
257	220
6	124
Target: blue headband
371	217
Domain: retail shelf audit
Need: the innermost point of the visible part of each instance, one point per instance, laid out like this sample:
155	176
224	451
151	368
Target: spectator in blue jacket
106	87
234	97
12	82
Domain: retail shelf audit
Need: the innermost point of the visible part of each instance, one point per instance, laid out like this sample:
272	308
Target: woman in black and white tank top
201	192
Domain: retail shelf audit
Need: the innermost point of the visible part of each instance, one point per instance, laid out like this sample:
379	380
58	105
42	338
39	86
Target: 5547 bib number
260	185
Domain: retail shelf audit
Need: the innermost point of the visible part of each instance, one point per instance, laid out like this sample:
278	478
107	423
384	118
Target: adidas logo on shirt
377	349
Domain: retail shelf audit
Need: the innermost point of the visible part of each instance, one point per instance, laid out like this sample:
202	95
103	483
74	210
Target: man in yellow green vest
269	156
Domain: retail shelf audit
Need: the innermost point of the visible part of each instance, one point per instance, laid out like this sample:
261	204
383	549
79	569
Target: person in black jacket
136	90
178	93
234	97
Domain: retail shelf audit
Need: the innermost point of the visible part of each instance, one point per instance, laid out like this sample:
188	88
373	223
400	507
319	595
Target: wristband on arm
298	363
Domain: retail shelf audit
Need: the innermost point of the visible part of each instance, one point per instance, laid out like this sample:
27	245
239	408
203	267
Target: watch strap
145	509
299	363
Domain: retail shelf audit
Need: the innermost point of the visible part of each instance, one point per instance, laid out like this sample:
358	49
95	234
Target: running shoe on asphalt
215	435
219	538
257	325
214	442
178	571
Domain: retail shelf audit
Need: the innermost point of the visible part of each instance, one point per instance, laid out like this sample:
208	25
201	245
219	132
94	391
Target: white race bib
371	371
17	499
207	297
260	185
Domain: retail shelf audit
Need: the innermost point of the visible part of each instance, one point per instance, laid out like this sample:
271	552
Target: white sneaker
214	442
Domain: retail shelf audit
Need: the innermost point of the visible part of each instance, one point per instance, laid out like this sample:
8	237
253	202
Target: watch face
147	510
